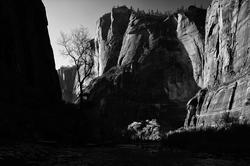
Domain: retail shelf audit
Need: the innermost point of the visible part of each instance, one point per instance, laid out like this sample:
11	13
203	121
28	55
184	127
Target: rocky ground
120	155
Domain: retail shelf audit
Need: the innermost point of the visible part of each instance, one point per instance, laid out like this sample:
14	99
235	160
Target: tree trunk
80	86
81	97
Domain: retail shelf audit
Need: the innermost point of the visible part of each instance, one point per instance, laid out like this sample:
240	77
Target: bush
227	138
144	130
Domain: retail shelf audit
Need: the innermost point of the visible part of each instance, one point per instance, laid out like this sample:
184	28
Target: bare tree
77	46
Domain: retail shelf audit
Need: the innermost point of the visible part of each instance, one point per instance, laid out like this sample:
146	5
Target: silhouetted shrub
227	138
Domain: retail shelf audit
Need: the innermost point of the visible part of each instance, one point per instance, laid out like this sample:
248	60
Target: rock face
226	65
151	74
191	33
110	30
28	75
67	78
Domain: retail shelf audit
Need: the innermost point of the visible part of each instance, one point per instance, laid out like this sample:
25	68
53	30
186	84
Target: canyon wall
109	35
225	75
145	68
27	69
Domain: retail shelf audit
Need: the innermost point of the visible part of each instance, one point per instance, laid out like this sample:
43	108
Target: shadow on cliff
30	102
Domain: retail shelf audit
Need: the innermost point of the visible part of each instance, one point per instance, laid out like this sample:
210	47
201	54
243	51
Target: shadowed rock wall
67	78
27	68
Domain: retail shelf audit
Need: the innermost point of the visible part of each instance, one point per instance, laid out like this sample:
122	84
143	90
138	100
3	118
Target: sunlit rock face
28	75
110	30
191	33
226	65
67	78
153	76
227	41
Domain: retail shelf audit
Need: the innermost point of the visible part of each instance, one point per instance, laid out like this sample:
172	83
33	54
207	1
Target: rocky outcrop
153	73
27	69
226	65
67	78
152	51
110	30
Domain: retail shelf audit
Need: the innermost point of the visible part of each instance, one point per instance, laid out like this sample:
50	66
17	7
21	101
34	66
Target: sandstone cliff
109	35
27	69
191	33
146	70
225	73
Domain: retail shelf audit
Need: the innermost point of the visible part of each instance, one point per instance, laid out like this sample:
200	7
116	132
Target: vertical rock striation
110	30
191	33
226	65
